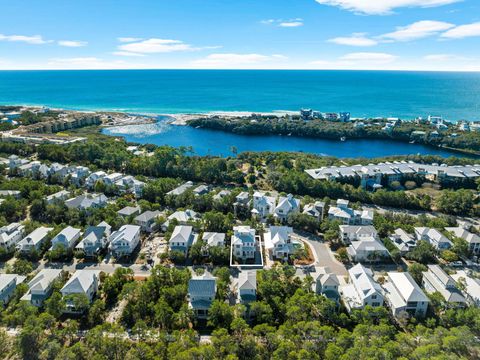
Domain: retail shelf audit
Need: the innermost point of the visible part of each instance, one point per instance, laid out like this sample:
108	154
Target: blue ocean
454	96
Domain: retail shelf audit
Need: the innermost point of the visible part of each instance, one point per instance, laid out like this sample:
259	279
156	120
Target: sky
437	35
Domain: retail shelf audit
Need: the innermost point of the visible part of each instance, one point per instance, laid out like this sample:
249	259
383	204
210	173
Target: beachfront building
263	205
124	241
10	235
316	210
435	279
247	287
67	238
201	293
434	237
473	240
34	240
349	233
148	220
348	216
278	242
286	205
40	287
244	243
404	296
83	282
368	249
362	290
326	283
95	239
8	284
182	239
470	286
403	241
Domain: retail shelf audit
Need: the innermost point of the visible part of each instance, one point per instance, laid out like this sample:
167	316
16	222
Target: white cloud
357	39
444	57
417	30
382	7
72	43
463	31
291	24
86	63
236	60
126	53
154	45
284	23
35	39
128	39
372	57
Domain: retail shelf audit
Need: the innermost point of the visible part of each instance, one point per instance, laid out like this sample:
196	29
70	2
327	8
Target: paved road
323	255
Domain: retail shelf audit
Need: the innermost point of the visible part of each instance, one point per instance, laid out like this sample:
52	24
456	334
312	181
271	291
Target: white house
61	195
212	239
362	290
434	237
147	220
403	241
263	205
92	179
124	241
368	249
286	205
247	287
87	201
471	289
348	216
316	209
40	287
244	243
201	293
473	240
82	282
129	211
404	295
182	239
10	235
111	179
95	239
34	240
435	279
182	218
326	283
67	238
349	233
181	189
278	242
8	284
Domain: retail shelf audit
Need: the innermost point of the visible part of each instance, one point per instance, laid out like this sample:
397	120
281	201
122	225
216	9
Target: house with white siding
263	205
83	282
472	239
326	283
278	242
403	241
286	206
362	290
124	241
10	235
182	239
434	237
470	286
95	239
368	249
247	287
67	238
435	279
349	233
348	216
404	296
59	196
34	240
244	242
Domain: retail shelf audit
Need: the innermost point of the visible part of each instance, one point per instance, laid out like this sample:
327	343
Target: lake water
211	142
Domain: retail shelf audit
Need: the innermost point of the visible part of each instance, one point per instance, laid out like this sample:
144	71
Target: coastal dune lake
455	96
211	142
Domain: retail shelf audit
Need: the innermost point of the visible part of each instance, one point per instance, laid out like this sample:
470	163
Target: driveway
323	255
